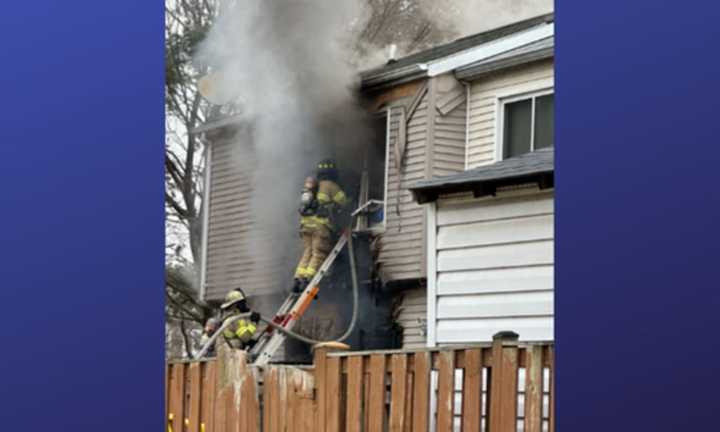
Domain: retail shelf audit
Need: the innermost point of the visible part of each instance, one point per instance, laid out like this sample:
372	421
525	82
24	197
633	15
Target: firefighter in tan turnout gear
241	333
321	201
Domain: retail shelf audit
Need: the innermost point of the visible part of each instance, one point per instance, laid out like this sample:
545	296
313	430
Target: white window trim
500	102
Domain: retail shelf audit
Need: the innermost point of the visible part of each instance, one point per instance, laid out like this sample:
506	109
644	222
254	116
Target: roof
411	67
533	167
535	51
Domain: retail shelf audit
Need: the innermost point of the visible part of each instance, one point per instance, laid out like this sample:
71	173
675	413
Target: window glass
517	128
544	121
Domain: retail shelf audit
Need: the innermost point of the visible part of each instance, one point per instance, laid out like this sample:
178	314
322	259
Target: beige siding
401	250
449	131
230	236
484	96
412	317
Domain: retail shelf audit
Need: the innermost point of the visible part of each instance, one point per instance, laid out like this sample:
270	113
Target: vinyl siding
412	317
484	96
494	268
449	132
401	249
231	232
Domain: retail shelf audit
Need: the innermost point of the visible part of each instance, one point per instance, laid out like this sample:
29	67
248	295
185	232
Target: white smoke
288	66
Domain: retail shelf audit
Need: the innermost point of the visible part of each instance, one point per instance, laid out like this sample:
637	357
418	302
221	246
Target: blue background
81	160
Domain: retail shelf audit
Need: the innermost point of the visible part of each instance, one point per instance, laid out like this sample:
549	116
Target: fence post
503	382
327	382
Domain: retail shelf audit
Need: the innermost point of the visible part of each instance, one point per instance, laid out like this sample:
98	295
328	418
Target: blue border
81	148
637	292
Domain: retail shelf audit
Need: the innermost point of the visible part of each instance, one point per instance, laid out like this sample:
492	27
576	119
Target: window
527	124
371	213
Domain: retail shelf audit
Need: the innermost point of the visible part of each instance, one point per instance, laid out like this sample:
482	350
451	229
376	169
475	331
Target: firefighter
211	326
241	333
308	207
320	225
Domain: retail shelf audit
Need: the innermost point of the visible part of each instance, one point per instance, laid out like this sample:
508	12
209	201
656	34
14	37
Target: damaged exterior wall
431	143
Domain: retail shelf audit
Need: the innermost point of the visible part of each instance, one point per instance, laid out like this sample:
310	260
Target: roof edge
425	194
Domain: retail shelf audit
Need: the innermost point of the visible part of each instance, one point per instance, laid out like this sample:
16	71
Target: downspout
205	221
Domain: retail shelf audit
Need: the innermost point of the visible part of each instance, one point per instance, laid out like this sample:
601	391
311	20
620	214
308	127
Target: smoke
466	17
289	67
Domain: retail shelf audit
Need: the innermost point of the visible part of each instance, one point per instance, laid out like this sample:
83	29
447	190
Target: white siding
494	261
484	96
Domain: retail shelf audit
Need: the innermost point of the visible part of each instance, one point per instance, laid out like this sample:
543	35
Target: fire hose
290	333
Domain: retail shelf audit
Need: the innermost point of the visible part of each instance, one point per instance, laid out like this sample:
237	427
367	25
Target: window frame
517	97
380	227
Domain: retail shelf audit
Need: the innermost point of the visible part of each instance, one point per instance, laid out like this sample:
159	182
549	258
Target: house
469	202
459	224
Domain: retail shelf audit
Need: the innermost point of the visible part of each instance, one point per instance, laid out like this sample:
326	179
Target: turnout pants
316	246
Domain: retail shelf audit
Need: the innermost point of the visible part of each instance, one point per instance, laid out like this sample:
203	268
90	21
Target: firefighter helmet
232	298
326	170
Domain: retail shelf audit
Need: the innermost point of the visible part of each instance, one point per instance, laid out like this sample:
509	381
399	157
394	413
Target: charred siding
412	317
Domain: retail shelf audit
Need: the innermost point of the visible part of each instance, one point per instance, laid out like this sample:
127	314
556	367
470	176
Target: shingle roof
538	50
537	166
408	65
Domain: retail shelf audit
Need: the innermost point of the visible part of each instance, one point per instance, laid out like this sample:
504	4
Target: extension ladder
293	308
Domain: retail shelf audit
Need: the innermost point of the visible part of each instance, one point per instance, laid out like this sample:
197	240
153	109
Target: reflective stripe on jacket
242	329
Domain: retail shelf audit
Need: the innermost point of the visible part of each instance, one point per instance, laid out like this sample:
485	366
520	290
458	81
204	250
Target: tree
186	22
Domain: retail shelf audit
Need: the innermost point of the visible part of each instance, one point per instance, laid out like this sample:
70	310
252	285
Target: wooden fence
503	387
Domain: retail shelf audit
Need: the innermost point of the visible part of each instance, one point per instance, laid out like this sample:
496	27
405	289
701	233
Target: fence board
551	419
421	393
398	388
220	411
167	392
332	401
503	392
533	389
177	397
409	400
366	393
446	391
377	393
272	406
472	391
354	409
321	383
207	401
193	416
231	414
267	399
250	403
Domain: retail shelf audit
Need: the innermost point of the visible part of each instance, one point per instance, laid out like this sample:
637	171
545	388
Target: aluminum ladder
293	308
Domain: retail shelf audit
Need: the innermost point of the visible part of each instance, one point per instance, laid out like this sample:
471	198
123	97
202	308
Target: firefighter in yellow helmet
241	333
317	220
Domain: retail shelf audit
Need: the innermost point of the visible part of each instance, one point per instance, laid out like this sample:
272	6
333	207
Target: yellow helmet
233	297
